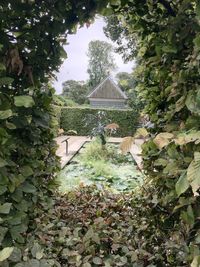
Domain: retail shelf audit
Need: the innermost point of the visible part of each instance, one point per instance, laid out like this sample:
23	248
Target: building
108	95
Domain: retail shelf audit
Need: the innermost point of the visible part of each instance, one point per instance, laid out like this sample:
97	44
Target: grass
106	168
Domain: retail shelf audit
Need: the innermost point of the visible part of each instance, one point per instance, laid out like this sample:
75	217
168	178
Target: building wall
108	104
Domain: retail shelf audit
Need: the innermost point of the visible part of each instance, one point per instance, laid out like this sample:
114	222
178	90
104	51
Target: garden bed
105	168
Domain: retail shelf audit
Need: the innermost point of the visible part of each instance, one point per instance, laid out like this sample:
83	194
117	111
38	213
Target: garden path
76	142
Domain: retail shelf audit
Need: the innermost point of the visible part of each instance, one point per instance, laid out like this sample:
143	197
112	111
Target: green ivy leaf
3	231
192	102
5	253
193	173
182	184
10	125
16	255
3	163
37	251
28	188
97	261
4	114
26	171
5	208
24	101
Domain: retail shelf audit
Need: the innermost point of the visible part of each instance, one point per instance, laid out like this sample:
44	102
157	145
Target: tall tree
75	90
101	61
128	82
126	41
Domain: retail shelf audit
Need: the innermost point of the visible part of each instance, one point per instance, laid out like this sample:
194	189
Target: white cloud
75	66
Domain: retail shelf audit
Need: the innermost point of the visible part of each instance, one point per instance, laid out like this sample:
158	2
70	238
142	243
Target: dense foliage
165	226
61	101
32	33
76	91
168	56
128	82
75	118
101	62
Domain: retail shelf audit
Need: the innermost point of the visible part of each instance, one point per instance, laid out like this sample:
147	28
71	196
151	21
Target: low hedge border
73	118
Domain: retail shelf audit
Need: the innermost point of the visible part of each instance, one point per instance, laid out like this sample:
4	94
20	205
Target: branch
168	7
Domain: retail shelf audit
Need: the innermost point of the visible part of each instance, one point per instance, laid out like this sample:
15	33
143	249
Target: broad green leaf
188	216
37	251
5	253
5	208
193	173
3	231
3	163
182	184
28	188
24	101
10	125
192	102
26	171
16	255
4	114
97	261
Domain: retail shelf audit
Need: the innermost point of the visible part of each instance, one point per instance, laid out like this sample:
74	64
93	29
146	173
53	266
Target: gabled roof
108	89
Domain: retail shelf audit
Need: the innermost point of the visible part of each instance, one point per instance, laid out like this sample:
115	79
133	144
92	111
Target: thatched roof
107	89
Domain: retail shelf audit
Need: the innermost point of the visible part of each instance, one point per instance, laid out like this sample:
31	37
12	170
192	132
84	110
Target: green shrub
75	118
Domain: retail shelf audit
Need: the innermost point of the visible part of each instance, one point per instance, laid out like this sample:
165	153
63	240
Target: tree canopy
101	61
75	90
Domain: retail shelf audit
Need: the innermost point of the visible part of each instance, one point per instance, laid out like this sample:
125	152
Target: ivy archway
32	34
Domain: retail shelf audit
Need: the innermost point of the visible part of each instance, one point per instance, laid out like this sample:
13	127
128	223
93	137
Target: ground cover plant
106	168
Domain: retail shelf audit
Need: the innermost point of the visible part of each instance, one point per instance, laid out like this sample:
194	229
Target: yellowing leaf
126	144
5	253
180	104
193	173
182	184
112	126
141	132
163	139
196	261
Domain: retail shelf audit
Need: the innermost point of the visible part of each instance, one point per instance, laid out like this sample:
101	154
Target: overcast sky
75	66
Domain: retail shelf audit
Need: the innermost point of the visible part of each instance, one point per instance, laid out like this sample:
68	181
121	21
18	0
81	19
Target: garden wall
74	118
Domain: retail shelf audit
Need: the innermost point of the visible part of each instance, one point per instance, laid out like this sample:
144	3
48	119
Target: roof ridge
116	87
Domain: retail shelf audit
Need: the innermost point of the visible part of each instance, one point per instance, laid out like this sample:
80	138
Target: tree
75	90
117	31
128	82
101	61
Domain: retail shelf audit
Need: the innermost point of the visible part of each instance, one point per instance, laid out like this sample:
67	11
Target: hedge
74	118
